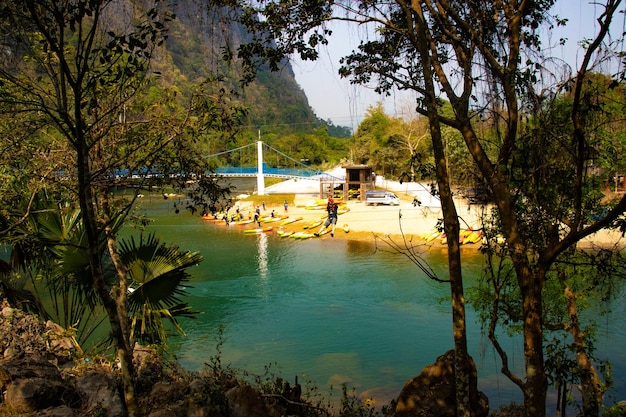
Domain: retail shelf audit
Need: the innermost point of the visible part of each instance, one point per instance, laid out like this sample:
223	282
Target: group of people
332	209
257	212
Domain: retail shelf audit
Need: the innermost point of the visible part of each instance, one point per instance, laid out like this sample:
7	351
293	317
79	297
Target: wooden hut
359	179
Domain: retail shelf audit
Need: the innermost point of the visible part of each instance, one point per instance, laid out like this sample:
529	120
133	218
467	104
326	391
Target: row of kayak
291	234
309	227
321	204
219	218
466	236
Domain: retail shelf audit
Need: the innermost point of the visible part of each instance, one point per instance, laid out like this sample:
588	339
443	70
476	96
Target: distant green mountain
193	52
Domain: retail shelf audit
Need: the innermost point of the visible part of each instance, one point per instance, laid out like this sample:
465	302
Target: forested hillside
276	106
198	39
200	36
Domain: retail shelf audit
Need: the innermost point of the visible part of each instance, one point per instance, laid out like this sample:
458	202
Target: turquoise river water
335	311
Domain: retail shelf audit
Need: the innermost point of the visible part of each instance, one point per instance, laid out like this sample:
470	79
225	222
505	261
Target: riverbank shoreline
403	223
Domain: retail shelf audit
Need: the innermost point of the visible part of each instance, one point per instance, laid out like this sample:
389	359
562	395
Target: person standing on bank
331	220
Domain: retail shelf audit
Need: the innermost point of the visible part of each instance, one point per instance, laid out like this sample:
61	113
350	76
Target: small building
359	179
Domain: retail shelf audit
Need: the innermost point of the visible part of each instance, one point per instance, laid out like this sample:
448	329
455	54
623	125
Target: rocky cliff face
202	33
198	39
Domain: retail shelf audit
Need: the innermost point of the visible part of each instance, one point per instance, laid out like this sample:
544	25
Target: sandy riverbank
406	220
367	222
363	222
370	222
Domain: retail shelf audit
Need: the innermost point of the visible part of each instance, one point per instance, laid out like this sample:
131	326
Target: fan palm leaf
156	273
48	247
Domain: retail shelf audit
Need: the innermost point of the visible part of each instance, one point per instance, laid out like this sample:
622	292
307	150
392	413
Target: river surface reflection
334	311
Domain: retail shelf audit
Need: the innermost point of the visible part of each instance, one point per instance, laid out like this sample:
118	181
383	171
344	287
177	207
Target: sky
334	99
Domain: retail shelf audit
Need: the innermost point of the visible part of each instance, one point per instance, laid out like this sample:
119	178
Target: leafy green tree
370	136
452	29
480	57
386	142
581	288
59	61
546	188
602	101
77	72
580	280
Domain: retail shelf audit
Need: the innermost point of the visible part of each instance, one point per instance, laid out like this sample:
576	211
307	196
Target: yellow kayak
473	237
283	233
258	230
290	220
313	224
301	235
432	236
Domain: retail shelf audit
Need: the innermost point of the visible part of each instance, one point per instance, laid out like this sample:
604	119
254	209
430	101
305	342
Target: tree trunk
536	384
459	330
529	278
451	226
591	386
124	354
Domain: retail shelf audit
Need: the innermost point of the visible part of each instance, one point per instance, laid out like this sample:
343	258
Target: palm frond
156	273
